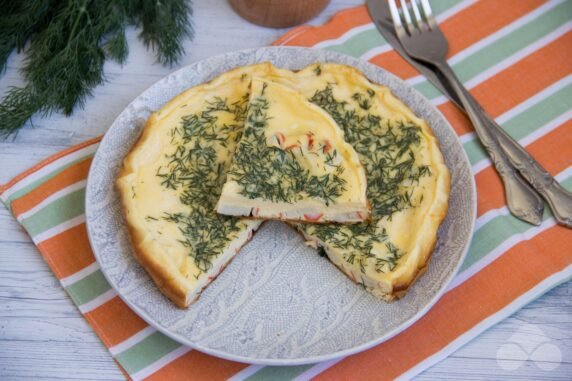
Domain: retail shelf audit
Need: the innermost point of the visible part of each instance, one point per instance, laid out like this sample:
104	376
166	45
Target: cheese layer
293	163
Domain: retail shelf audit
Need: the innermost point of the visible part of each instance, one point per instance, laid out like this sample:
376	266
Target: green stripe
279	373
88	288
498	230
360	44
504	47
40	181
146	352
61	210
366	40
527	122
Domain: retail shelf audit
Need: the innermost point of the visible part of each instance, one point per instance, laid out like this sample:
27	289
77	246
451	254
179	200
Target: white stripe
100	300
524	106
300	31
552	125
467	137
479	328
440	18
537	134
564	174
133	340
499	251
317	369
511	60
246	372
77	276
490	39
454	10
490	215
149	370
505	63
49	168
58	229
344	37
509	242
375	52
481	165
61	193
535	99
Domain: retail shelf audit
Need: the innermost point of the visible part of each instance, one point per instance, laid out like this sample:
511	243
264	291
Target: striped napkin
518	66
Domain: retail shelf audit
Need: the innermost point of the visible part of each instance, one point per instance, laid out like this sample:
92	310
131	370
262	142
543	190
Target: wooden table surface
44	337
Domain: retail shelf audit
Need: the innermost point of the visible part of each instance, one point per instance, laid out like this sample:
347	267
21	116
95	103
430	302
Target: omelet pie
292	163
407	181
171	181
173	177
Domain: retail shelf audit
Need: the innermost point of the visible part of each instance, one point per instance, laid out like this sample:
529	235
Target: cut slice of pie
292	163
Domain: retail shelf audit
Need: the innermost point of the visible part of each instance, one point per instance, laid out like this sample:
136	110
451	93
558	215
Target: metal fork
422	39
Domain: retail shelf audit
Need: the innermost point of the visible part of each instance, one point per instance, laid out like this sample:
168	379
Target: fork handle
559	199
522	200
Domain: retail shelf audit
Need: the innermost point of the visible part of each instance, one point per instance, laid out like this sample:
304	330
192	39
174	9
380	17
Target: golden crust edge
436	215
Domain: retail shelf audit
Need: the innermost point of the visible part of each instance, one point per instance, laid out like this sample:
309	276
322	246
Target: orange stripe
49	160
68	252
198	366
490	189
67	177
520	268
464	29
115	322
339	24
507	89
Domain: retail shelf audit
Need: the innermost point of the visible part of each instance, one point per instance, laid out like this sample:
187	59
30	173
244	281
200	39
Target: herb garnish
386	152
272	173
66	44
197	173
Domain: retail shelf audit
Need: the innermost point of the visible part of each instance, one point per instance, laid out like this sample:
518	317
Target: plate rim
307	360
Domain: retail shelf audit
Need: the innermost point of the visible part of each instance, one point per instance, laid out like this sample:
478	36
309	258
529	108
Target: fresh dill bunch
66	44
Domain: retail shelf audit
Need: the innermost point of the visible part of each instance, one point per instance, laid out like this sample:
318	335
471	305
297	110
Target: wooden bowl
278	13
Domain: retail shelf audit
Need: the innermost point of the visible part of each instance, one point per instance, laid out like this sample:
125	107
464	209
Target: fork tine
405	11
428	13
417	14
395	14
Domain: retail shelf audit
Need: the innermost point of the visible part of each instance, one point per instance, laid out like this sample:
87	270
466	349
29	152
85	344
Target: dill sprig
67	43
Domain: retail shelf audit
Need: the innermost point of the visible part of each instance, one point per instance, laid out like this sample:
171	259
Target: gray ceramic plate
278	302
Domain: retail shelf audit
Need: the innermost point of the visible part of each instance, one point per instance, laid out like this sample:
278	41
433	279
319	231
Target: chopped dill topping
386	150
318	69
272	173
362	100
384	147
197	173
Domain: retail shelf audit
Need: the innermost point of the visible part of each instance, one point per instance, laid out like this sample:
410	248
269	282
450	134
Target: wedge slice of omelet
292	163
171	181
407	181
